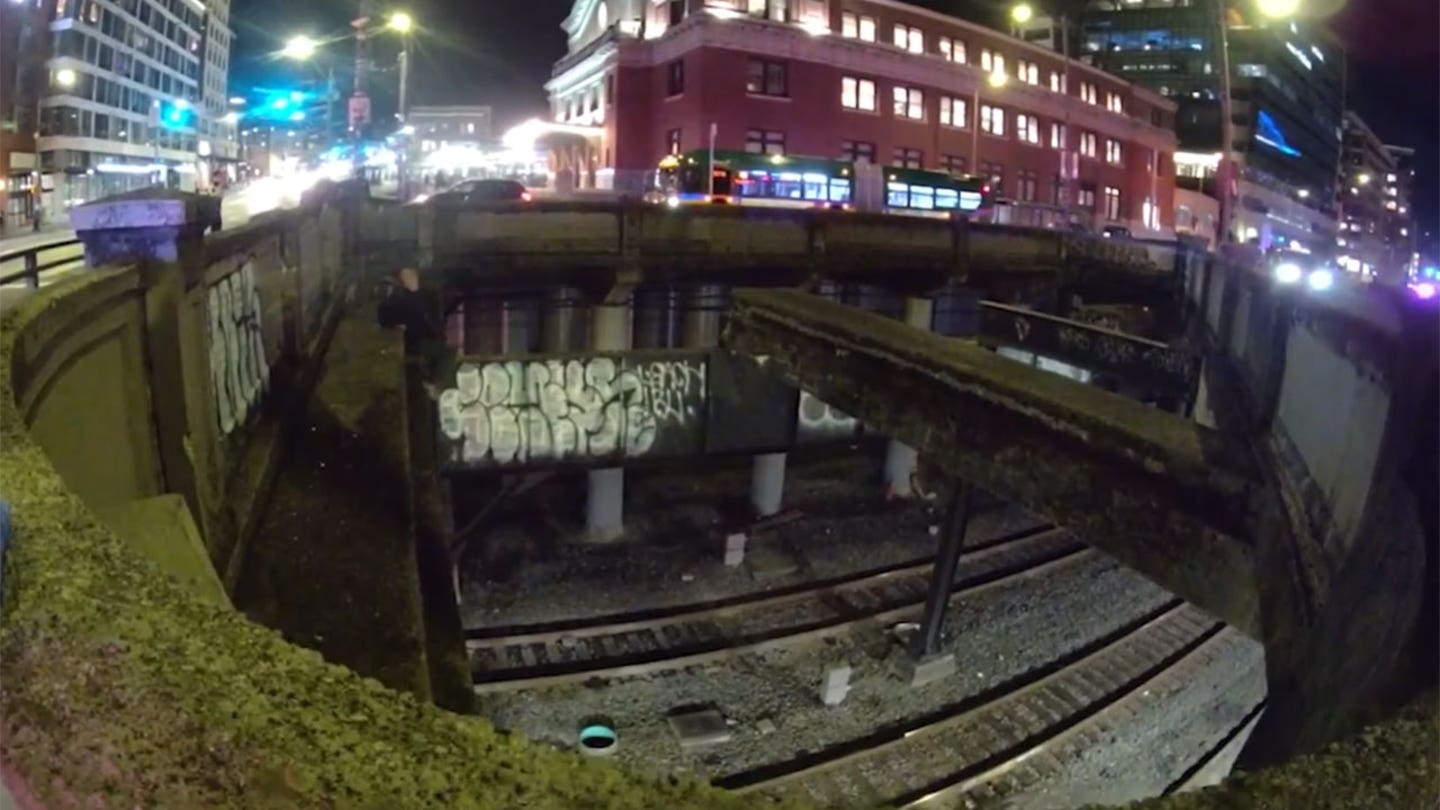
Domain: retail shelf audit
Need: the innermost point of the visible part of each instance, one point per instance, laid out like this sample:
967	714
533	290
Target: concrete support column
703	306
900	458
560	321
605	501
767	483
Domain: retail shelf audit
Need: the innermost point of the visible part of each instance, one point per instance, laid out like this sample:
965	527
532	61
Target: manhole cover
699	727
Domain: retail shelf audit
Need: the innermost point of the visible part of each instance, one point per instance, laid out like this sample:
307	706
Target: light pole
303	49
1226	173
401	23
1020	15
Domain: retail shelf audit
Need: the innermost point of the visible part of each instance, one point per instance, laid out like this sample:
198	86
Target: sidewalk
22	236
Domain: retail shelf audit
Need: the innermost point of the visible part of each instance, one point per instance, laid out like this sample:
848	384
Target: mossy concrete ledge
120	687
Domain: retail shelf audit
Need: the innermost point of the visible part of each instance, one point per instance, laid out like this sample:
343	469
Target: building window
765	142
857	94
857	26
1114	103
910	38
772	9
1112	152
909	158
677	11
1087	93
1025	186
991	62
1057	82
857	151
1087	144
1112	203
1086	199
1057	136
953	49
909	103
1027	71
1027	128
992	120
954	164
953	112
767	79
672	142
675	78
995	172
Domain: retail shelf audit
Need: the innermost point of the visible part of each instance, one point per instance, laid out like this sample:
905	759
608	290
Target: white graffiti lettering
819	421
239	373
520	411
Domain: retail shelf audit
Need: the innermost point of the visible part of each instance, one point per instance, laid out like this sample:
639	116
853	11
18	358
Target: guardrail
34	266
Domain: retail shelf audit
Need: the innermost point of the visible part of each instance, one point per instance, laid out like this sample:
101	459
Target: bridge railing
29	264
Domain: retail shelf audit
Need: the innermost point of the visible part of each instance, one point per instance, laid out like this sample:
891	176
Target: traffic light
177	114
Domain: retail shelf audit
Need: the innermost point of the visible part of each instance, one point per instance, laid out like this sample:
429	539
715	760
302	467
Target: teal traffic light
177	115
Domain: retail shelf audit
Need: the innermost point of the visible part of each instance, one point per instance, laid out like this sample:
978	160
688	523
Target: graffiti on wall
818	421
516	412
239	373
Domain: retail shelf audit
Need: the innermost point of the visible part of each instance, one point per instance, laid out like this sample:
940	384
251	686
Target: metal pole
975	123
329	104
711	173
1066	192
942	577
403	160
1225	169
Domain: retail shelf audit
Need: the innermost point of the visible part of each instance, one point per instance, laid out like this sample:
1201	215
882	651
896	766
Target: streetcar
788	181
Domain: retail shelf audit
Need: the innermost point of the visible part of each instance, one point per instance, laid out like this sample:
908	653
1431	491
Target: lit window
953	49
672	142
857	151
766	78
1057	136
991	62
1114	103
674	79
774	9
909	103
1087	93
1087	144
1027	72
1086	198
1112	152
1112	203
1057	82
992	120
910	38
857	26
857	94
908	158
765	142
1027	128
953	112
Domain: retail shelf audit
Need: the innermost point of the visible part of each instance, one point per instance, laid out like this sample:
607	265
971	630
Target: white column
900	457
767	483
605	503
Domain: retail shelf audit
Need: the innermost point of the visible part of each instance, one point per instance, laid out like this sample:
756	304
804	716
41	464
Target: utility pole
1225	170
359	116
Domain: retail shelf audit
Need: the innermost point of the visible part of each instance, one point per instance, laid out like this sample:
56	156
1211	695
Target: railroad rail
623	645
996	745
31	264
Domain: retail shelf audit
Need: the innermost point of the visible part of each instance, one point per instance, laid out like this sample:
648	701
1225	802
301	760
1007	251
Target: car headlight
673	202
420	198
1321	280
1288	273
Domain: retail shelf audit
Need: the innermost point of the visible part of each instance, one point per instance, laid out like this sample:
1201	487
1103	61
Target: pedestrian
414	312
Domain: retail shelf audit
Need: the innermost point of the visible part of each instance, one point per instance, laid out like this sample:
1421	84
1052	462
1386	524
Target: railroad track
507	659
996	745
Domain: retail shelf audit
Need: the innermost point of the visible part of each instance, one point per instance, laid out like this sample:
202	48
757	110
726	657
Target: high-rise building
1287	100
135	96
1404	236
23	48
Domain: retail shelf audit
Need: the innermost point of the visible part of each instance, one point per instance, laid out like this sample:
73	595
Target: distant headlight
1288	273
1321	280
673	202
420	198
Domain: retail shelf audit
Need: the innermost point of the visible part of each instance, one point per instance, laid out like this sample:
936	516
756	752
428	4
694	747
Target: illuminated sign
1268	133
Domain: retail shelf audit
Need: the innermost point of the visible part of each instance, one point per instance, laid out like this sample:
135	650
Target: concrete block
836	685
700	727
767	562
735	549
929	670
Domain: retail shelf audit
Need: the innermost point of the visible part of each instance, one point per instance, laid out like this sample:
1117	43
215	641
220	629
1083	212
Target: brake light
525	196
984	189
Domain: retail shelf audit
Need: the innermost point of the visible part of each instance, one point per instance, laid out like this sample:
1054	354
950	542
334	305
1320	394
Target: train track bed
824	538
652	641
772	697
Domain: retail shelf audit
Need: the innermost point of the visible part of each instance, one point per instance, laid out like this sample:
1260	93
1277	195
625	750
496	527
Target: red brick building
859	79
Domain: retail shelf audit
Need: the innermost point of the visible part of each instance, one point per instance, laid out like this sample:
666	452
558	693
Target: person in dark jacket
411	310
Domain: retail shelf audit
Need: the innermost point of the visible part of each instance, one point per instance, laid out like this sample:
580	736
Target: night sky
500	52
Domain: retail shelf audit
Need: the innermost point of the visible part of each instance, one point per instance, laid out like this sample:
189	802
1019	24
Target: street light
996	80
1364	178
65	77
1022	13
1276	9
401	22
300	48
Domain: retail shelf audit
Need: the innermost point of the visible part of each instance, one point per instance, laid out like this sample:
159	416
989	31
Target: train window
839	191
922	197
815	186
946	198
788	185
970	200
897	195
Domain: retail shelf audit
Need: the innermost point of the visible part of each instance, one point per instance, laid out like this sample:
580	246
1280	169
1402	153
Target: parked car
469	191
